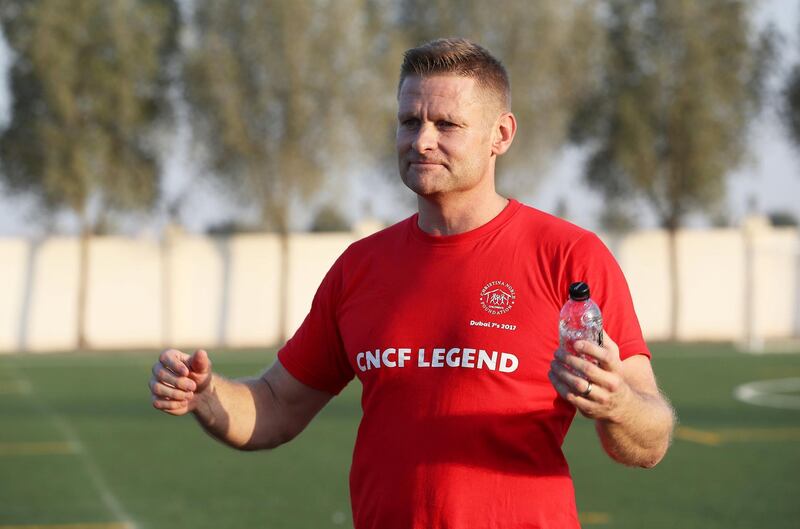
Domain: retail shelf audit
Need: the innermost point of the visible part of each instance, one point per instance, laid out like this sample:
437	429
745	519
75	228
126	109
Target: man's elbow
640	458
256	446
652	459
270	442
640	455
655	453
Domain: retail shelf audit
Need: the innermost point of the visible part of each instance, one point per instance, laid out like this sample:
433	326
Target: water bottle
580	319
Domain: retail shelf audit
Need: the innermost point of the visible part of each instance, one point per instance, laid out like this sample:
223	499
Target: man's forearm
234	411
641	434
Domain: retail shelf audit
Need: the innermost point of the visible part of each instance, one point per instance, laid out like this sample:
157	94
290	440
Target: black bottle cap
579	291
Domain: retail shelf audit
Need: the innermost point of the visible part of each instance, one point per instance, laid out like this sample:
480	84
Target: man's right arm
248	414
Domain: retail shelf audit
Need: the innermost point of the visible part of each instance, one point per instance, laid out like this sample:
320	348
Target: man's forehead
441	85
447	95
459	93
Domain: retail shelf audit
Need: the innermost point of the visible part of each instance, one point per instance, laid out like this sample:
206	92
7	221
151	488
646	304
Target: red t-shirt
452	339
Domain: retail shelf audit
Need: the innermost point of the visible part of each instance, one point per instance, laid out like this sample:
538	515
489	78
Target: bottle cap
579	291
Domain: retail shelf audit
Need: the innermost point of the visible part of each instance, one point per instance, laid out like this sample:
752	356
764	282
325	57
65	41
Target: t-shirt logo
497	297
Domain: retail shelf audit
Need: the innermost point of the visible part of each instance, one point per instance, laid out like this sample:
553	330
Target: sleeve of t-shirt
589	260
315	355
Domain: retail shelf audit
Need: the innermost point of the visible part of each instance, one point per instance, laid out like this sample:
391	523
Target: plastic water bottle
580	319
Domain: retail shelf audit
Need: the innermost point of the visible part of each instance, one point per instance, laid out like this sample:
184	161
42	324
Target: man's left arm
633	419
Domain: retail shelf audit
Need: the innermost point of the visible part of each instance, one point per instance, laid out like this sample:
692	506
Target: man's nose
425	138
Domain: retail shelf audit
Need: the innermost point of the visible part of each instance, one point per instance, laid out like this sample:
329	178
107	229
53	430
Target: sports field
81	448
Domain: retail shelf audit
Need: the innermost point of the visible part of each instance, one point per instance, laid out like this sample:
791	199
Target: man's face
444	134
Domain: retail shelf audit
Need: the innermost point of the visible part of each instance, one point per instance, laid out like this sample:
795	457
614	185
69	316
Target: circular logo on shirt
497	297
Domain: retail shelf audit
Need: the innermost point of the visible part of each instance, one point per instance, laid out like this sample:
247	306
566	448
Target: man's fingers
587	407
199	362
161	374
608	342
173	407
175	361
560	385
592	350
159	389
585	368
177	379
571	388
606	355
173	384
575	384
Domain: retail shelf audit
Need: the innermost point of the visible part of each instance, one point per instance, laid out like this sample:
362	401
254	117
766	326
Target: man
450	321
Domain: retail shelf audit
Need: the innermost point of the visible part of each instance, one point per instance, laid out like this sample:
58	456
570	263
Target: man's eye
410	123
445	124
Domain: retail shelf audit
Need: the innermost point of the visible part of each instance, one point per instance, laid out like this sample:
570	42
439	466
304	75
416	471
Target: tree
330	219
780	218
279	91
87	85
791	105
282	93
549	48
681	80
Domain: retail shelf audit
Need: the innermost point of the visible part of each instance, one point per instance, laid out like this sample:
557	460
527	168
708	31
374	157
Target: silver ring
588	389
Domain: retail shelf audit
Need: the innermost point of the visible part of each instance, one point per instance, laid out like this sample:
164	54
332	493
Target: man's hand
633	419
247	413
179	380
598	391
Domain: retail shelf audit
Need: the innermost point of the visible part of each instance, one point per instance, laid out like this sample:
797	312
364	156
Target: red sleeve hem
630	349
304	376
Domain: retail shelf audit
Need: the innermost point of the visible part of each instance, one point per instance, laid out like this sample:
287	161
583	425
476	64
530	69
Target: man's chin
423	185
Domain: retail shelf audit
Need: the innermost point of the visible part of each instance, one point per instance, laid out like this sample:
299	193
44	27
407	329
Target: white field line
70	435
770	393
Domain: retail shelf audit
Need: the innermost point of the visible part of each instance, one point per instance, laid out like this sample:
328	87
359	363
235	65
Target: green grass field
81	448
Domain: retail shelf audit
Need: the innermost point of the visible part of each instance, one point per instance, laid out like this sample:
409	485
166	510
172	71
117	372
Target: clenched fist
179	380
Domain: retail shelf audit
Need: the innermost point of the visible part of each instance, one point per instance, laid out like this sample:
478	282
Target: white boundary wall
310	258
775	271
712	286
52	300
13	274
225	291
644	257
254	296
124	280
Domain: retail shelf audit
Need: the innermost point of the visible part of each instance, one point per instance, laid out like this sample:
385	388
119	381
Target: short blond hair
458	57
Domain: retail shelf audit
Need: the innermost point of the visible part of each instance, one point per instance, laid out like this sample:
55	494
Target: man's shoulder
547	228
382	239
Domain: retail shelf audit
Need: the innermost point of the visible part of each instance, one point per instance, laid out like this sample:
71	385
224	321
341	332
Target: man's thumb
199	362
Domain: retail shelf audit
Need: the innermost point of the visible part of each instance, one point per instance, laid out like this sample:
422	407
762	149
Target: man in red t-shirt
449	320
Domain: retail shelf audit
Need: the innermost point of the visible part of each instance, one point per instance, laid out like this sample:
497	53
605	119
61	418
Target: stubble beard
428	182
442	181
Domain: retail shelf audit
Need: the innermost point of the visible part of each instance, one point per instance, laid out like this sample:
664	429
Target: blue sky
770	178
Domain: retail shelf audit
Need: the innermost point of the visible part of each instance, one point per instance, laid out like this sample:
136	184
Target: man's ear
504	130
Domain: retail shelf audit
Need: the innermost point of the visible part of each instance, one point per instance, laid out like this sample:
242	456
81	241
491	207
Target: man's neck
458	214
